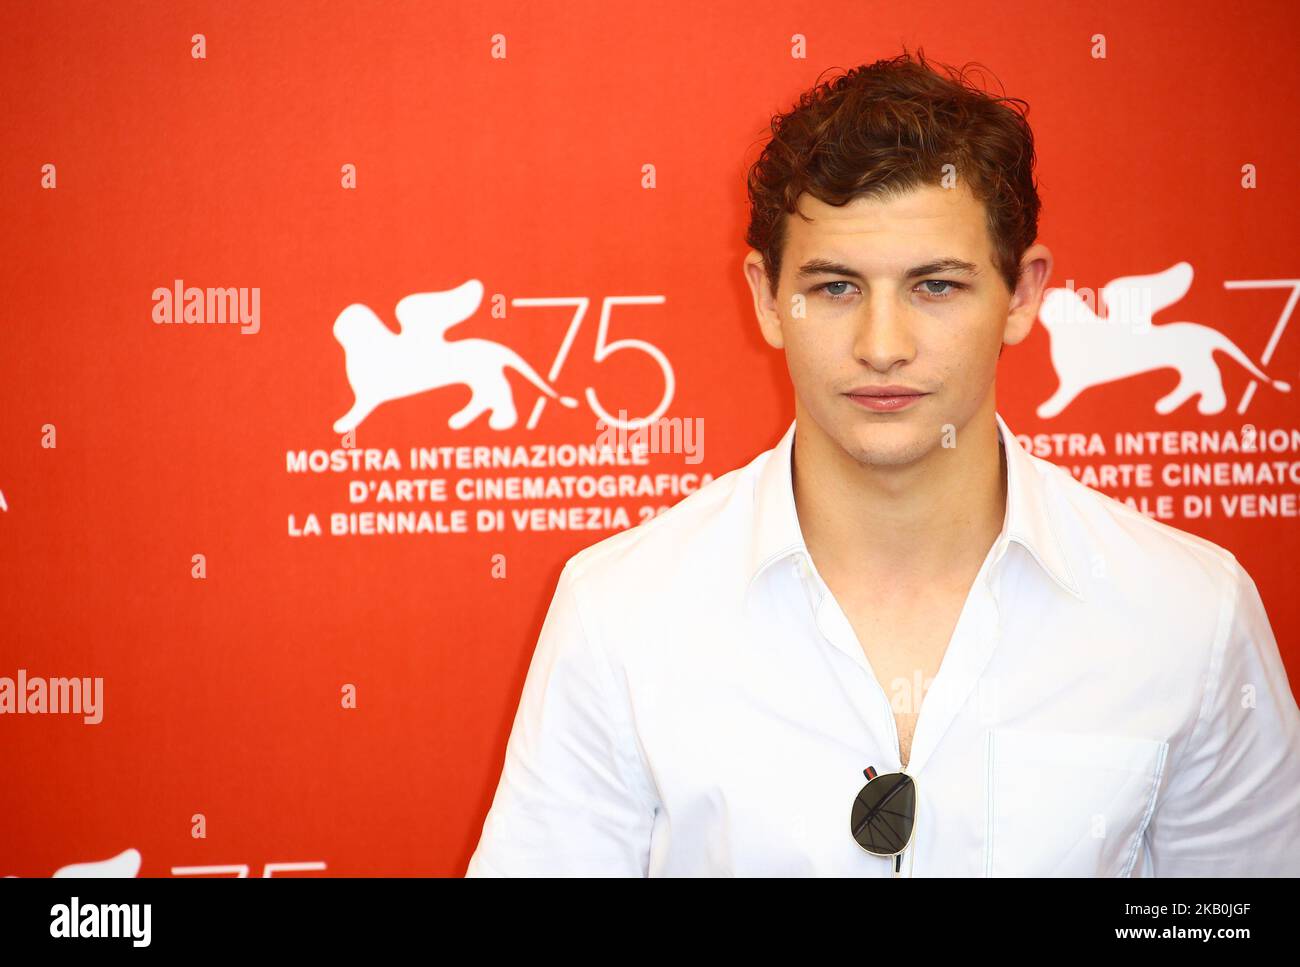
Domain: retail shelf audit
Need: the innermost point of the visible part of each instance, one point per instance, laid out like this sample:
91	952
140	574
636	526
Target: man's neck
907	528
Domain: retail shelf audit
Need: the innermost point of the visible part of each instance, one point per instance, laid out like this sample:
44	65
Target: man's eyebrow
819	266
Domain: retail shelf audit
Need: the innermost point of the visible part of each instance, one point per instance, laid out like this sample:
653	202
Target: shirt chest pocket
1068	803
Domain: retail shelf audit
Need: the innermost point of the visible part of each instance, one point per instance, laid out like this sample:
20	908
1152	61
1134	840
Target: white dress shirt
1112	703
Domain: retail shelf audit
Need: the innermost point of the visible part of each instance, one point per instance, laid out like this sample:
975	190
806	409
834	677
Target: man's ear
769	320
1035	270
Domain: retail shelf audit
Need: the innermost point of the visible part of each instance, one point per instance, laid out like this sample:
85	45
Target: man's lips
893	389
885	399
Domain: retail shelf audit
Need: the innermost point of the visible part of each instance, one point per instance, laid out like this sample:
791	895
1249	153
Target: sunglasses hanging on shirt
883	817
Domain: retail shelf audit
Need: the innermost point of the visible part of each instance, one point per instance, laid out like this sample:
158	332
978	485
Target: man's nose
883	337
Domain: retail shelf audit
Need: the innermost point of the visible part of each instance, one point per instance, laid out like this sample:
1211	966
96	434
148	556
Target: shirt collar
776	532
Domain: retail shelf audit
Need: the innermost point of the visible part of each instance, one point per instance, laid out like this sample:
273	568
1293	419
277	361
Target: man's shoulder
1124	549
704	534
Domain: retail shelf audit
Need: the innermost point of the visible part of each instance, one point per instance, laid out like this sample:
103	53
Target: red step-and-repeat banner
302	562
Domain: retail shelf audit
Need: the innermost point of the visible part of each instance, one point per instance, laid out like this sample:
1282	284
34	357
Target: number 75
603	351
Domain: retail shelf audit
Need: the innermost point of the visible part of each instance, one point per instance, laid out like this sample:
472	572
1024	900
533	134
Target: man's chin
895	444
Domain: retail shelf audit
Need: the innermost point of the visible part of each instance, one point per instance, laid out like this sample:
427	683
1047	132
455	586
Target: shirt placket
973	641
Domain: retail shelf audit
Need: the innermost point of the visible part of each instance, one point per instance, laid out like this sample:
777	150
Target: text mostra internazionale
535	456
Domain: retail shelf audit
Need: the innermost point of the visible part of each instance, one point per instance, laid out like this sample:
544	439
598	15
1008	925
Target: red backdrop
569	151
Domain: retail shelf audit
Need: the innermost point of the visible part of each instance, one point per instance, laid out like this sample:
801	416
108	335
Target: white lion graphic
383	365
1088	351
125	865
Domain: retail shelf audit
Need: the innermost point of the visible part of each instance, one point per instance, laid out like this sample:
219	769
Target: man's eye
836	294
833	296
954	286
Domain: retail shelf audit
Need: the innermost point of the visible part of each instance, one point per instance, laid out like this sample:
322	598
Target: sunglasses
883	818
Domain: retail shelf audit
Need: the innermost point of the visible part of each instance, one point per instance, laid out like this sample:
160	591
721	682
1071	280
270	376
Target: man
1060	685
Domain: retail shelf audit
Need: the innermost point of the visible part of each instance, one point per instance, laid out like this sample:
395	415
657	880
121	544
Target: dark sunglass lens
883	813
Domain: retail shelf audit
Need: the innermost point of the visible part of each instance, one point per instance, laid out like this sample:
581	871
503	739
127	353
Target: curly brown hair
883	129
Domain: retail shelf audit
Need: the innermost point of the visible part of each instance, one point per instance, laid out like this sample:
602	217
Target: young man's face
877	316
